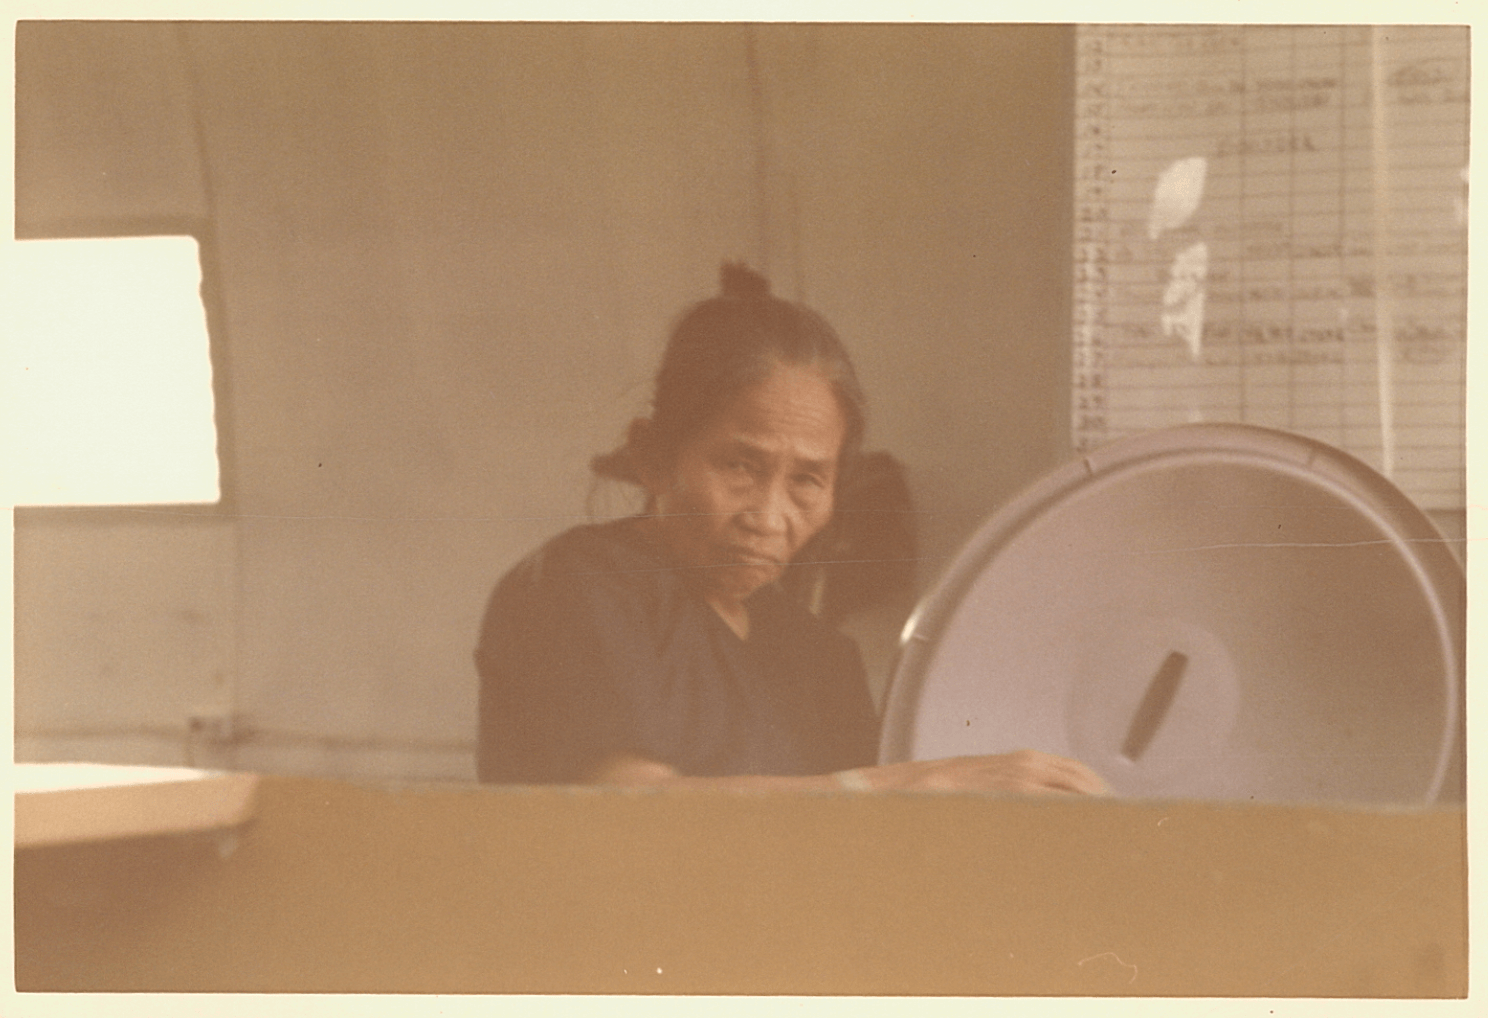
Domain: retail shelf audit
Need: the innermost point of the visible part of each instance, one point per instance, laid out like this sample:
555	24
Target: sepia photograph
740	509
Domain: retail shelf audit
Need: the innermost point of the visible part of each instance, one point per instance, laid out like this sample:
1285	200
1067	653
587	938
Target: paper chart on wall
1271	228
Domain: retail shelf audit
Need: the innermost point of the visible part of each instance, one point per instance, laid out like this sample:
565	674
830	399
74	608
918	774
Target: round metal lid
1212	611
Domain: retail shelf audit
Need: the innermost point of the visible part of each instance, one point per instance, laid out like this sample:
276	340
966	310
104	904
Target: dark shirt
593	646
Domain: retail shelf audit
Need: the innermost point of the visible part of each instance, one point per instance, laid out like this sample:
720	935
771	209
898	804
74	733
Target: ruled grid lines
1311	274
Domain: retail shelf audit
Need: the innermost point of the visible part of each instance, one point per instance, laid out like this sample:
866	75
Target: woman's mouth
750	557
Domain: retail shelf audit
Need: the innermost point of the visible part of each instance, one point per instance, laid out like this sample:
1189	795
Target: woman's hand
1026	772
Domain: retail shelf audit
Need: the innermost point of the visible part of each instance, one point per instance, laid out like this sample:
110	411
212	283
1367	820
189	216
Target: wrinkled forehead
794	412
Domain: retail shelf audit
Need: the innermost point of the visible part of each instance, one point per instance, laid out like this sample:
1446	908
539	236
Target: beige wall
446	258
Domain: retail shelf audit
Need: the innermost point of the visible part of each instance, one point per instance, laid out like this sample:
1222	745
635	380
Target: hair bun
738	280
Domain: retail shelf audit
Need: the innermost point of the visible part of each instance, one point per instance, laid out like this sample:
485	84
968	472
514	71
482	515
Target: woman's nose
768	512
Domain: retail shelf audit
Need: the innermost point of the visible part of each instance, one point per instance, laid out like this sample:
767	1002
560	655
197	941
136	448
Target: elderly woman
659	649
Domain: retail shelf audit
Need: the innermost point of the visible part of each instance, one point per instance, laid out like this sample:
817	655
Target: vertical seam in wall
211	291
759	115
217	332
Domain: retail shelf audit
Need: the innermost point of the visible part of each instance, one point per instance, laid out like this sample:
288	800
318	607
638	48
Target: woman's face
754	485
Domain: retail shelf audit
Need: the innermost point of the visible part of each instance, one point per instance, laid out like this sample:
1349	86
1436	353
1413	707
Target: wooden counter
335	887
